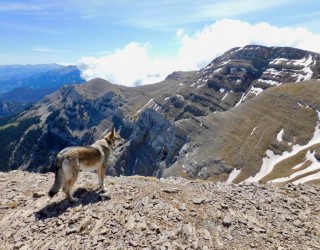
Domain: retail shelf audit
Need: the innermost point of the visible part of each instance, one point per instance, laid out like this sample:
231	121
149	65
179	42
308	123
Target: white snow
200	86
255	90
253	130
313	166
224	97
299	165
233	175
278	61
307	178
222	90
241	100
217	70
304	61
180	97
300	105
271	160
167	98
302	74
225	62
150	104
193	84
270	82
181	84
273	72
279	135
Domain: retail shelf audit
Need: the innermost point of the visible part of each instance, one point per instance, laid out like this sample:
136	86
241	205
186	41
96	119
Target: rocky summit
148	213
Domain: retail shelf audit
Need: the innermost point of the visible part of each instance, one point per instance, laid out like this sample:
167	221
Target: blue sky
159	36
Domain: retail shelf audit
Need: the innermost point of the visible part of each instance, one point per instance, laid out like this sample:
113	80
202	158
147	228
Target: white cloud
200	48
132	65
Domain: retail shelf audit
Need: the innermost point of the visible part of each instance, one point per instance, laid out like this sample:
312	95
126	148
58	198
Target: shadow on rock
84	196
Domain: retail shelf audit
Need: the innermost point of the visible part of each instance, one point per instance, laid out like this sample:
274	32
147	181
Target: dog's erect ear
112	130
119	130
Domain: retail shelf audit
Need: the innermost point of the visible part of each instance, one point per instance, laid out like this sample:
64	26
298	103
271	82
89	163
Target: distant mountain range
24	84
251	115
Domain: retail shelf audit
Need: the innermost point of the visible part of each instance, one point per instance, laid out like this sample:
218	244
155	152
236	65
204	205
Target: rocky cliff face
147	213
191	124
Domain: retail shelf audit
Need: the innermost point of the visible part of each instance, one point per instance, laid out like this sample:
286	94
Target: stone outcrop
147	213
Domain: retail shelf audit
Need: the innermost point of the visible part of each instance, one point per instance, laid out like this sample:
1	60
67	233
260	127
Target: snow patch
224	97
305	63
241	100
150	104
307	178
279	135
279	60
271	160
313	166
233	175
222	90
270	82
255	90
299	165
253	130
200	86
217	70
180	97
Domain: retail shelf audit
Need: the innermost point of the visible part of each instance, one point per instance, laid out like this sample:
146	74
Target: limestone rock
141	216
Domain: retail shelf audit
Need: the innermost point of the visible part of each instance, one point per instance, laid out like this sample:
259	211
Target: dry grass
144	178
14	124
304	175
314	182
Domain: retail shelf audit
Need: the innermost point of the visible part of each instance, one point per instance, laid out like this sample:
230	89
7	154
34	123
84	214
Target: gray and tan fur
71	160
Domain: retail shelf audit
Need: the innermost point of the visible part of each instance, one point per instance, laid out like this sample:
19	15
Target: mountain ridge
160	121
27	84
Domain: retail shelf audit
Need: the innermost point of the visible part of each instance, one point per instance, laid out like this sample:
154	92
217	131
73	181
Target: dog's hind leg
101	175
69	192
71	171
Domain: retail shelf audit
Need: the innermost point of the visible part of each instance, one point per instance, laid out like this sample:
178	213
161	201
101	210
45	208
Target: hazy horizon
126	42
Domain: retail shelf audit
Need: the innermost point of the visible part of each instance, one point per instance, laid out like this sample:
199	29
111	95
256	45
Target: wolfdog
71	160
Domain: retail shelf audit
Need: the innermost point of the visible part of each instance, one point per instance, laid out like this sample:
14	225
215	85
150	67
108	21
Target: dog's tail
58	178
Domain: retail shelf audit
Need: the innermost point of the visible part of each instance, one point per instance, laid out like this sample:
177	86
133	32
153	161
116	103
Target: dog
71	160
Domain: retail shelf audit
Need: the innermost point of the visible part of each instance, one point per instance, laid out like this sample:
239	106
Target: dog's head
114	139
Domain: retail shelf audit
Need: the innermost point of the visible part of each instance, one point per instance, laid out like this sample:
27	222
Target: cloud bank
133	65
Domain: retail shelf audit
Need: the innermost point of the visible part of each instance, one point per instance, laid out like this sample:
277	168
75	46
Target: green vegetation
8	125
10	136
